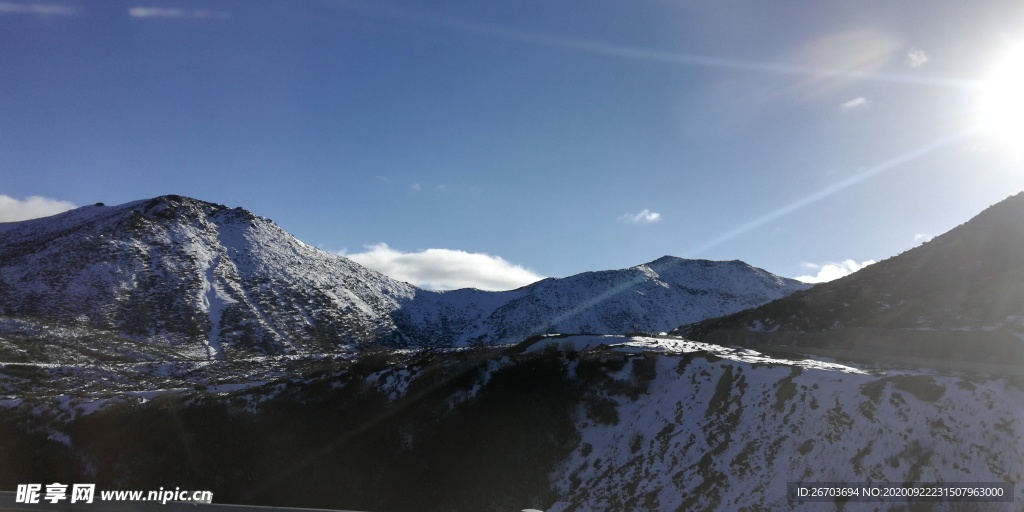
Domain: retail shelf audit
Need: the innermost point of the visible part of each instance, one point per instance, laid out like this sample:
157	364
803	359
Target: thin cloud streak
39	9
164	12
855	103
635	53
645	216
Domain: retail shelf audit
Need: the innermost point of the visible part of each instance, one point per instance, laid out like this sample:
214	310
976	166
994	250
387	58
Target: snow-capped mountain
655	296
190	278
179	277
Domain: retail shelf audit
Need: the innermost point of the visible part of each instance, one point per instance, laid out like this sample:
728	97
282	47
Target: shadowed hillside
964	291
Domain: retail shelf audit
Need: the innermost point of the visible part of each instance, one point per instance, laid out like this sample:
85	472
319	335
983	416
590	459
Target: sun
1001	113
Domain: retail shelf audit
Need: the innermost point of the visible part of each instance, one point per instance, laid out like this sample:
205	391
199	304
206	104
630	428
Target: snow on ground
392	382
671	345
714	427
730	434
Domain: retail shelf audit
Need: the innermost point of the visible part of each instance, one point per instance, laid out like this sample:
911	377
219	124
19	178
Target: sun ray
826	192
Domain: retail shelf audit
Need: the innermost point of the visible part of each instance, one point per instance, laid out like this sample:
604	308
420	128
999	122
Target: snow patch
672	345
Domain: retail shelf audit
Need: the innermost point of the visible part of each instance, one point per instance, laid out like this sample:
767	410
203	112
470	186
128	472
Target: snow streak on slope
215	301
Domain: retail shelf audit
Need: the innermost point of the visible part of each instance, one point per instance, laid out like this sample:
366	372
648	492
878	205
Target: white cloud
33	207
921	237
859	101
832	271
644	217
445	269
916	58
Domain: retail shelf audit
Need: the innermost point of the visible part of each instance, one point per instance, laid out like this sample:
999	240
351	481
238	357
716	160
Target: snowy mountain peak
677	264
175	206
189	278
650	297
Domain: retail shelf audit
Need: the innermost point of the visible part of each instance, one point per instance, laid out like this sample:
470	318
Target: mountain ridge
646	297
197	279
961	291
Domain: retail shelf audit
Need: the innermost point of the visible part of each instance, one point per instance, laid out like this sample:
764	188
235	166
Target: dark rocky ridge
960	295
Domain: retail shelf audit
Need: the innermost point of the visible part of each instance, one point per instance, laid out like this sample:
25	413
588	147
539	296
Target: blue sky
552	137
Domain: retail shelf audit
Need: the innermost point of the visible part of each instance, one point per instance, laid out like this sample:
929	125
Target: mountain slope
174	277
197	278
964	287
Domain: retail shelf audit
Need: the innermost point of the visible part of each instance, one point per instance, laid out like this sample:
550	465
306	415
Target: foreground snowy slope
178	278
568	423
727	429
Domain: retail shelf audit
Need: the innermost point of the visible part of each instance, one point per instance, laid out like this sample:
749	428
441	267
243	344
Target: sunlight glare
1002	101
